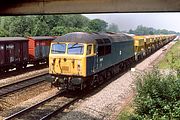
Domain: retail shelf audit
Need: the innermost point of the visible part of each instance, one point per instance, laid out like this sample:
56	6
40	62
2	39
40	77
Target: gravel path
107	103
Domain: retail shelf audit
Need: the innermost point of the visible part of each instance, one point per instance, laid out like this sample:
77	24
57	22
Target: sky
126	21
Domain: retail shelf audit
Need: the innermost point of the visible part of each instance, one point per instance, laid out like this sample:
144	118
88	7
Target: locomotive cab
67	63
69	58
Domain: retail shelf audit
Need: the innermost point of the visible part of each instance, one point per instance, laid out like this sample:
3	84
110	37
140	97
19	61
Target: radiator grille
65	68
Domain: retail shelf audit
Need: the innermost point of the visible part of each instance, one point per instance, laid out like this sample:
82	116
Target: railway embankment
171	60
162	85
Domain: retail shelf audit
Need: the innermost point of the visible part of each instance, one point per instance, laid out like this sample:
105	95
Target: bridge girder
16	7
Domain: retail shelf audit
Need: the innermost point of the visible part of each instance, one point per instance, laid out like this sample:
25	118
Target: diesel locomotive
78	60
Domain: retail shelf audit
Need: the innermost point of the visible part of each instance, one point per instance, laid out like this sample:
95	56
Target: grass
127	113
172	56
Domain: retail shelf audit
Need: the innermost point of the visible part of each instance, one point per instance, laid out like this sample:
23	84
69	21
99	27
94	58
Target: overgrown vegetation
172	59
55	25
127	113
158	98
39	25
142	30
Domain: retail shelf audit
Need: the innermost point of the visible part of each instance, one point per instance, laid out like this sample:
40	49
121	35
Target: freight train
78	60
17	52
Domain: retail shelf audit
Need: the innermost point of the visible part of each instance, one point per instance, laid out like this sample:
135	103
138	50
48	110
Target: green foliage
127	113
113	28
20	26
172	59
174	62
3	32
36	25
39	25
77	21
61	30
158	97
97	25
142	30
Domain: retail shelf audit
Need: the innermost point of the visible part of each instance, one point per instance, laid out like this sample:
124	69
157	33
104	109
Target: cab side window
94	47
89	49
100	50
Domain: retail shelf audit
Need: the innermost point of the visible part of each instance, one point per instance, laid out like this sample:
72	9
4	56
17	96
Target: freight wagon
17	52
13	52
39	48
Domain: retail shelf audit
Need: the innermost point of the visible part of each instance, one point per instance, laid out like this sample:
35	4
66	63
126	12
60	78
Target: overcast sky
126	21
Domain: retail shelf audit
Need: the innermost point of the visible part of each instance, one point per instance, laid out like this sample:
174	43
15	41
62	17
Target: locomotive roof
42	38
12	38
84	37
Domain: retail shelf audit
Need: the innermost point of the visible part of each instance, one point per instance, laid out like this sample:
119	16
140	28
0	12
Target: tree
40	27
61	30
3	33
20	26
131	31
113	28
142	30
77	21
97	25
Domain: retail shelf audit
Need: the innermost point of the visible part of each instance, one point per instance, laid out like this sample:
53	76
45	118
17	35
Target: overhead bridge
16	7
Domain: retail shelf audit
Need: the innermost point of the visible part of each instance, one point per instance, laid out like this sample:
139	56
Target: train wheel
18	67
36	64
5	69
124	66
100	79
25	65
2	71
93	81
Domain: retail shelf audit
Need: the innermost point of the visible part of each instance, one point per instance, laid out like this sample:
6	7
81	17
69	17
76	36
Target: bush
158	97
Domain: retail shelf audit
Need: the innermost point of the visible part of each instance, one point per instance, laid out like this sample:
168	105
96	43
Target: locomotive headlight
53	61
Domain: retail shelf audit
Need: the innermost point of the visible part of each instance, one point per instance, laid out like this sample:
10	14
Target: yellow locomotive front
67	59
67	62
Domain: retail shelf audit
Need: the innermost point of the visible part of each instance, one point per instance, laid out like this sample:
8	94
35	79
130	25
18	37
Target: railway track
10	73
42	111
10	88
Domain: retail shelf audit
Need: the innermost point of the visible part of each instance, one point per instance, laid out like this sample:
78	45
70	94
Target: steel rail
31	107
7	89
60	109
